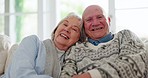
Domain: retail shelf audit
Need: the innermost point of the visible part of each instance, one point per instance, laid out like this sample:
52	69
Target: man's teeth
63	35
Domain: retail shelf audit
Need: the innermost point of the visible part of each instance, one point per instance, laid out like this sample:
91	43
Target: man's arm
132	61
69	68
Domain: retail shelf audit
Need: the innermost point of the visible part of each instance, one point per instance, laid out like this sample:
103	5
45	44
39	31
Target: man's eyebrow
87	18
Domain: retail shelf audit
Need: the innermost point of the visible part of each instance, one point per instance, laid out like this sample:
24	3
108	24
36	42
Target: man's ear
109	20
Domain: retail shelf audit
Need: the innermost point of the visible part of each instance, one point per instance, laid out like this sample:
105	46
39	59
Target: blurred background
20	18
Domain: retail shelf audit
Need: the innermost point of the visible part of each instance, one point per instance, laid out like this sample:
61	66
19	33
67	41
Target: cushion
5	44
10	54
145	41
146	44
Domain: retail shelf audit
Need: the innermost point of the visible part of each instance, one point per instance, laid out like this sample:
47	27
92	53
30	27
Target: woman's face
68	32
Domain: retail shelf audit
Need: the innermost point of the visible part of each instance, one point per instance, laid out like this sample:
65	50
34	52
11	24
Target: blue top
29	60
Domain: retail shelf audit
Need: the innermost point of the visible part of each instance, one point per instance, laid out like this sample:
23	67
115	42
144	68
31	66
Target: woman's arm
28	61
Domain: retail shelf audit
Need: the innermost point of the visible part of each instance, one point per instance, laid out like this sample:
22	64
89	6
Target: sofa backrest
5	45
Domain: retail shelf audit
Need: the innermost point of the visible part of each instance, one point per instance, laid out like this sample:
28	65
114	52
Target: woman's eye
65	25
74	29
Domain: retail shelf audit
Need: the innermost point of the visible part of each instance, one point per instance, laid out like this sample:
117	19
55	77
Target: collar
102	40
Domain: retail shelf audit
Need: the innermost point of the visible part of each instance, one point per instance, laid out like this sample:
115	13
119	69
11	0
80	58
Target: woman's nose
67	29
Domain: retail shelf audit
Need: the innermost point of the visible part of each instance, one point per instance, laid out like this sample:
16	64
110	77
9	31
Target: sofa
7	49
5	45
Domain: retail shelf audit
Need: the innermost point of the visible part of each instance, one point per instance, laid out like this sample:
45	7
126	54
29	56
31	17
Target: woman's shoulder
32	37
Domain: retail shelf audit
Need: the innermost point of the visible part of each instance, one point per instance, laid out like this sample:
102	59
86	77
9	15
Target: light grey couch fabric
5	45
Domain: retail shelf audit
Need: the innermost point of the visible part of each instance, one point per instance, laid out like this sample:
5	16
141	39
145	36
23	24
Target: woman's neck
61	47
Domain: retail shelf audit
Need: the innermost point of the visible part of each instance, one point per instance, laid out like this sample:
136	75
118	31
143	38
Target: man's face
95	23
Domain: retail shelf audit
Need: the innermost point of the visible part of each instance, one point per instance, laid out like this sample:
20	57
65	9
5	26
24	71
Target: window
79	6
1	16
132	14
20	18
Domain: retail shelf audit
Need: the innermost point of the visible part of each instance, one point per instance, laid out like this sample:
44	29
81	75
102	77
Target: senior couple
81	49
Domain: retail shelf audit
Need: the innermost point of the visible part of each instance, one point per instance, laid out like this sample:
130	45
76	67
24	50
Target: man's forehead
92	14
90	10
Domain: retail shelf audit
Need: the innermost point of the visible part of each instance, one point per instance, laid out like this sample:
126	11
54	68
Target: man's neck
106	38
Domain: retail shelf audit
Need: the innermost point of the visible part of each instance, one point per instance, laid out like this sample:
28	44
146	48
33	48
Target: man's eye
88	20
100	17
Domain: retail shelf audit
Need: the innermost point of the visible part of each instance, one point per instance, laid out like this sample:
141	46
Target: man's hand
84	75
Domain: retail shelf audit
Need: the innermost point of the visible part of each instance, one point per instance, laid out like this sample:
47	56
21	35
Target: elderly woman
42	59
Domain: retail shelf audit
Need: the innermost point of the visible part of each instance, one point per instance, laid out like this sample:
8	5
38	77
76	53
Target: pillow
5	44
146	44
10	54
145	41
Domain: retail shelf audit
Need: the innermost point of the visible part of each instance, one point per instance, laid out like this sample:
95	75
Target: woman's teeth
97	28
63	35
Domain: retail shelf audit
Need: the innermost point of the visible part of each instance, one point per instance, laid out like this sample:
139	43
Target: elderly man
104	54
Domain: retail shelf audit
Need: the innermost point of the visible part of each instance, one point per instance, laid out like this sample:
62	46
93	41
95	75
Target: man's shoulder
81	44
125	31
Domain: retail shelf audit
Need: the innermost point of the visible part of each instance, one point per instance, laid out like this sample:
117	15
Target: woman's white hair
71	14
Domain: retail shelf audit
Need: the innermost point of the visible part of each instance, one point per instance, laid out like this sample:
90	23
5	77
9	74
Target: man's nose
95	22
